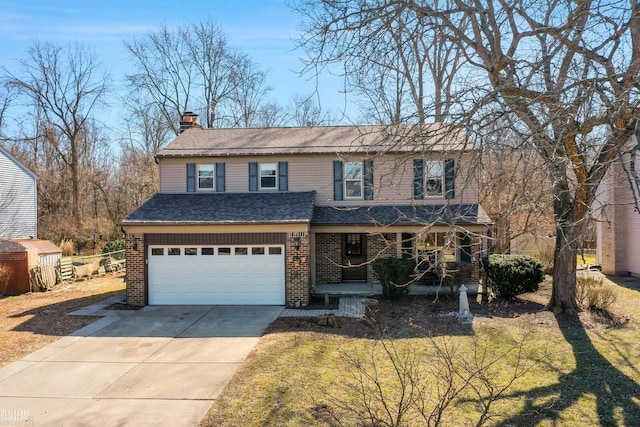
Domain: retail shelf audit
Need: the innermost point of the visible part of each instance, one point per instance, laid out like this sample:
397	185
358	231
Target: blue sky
263	29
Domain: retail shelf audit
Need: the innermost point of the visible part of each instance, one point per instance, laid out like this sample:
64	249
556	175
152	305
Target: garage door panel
216	279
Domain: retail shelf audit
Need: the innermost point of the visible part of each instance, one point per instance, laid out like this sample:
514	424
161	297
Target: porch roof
224	208
447	214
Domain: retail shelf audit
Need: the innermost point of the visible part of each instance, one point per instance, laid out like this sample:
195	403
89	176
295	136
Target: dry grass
31	321
588	376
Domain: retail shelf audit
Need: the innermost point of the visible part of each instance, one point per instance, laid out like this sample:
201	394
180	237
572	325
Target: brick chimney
189	120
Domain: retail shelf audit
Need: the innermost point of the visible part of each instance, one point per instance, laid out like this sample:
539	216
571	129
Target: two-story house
262	216
18	199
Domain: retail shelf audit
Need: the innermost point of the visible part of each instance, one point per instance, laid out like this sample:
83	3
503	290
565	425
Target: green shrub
394	274
511	275
113	246
592	294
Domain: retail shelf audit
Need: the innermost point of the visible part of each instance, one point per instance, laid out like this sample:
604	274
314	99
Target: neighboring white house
18	199
618	225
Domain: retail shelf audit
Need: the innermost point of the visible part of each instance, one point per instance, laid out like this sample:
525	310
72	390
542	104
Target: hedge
511	275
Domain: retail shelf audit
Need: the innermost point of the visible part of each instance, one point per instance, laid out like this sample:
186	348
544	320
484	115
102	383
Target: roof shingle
223	208
464	214
316	140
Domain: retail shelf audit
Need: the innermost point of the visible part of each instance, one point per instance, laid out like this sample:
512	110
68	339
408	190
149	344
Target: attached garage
219	249
244	274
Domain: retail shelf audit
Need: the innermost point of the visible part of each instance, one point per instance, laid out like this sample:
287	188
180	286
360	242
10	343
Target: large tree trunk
563	294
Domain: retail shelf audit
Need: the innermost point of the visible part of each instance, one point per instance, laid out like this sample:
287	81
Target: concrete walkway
347	307
155	366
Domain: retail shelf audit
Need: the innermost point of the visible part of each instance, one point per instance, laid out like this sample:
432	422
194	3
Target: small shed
24	255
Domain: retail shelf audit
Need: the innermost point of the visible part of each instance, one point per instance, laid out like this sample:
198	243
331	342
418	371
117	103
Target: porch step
347	307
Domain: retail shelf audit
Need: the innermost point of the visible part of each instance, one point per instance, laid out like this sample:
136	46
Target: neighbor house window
433	248
269	176
433	178
353	180
206	174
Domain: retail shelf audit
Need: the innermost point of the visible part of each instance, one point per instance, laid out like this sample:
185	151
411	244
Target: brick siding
297	287
328	258
379	246
134	278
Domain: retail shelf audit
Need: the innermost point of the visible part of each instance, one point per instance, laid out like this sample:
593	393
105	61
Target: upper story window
433	178
353	180
269	176
206	177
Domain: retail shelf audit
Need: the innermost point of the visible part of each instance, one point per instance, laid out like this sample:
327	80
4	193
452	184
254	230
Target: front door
354	257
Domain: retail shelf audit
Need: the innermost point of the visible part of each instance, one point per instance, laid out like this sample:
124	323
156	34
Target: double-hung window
353	180
269	176
433	178
206	177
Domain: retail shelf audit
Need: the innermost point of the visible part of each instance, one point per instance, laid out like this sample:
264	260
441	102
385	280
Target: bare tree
306	112
564	74
7	95
402	67
64	86
249	94
194	68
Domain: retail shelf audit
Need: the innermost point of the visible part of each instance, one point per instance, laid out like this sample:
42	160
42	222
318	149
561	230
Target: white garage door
250	274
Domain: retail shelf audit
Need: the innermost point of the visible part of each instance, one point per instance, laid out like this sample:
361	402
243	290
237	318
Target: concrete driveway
155	366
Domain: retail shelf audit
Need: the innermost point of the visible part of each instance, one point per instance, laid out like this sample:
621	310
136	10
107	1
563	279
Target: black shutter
191	177
449	179
368	179
418	179
220	184
283	179
337	180
253	176
465	248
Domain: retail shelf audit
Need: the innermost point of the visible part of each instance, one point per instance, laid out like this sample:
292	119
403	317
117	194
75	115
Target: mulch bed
423	316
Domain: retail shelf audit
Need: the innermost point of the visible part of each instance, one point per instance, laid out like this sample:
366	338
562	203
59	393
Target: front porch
373	289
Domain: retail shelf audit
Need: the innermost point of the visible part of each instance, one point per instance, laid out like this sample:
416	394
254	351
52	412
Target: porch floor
370	289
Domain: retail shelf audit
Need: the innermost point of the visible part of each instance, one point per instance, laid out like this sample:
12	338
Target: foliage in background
511	275
113	246
5	276
67	247
395	275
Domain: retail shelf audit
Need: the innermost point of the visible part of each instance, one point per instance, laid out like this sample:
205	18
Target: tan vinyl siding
393	177
173	175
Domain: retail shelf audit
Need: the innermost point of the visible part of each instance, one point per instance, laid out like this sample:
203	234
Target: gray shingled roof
315	140
465	214
223	208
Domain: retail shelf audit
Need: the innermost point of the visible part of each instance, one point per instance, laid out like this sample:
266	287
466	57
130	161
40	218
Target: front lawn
569	371
33	320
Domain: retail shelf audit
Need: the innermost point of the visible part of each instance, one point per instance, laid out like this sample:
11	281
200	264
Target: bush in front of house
512	275
592	294
394	274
